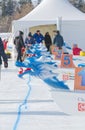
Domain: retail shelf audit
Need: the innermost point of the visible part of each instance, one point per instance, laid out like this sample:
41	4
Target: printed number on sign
66	60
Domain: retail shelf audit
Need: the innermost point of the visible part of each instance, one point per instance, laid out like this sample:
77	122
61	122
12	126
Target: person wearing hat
58	39
21	33
48	41
20	45
38	37
29	40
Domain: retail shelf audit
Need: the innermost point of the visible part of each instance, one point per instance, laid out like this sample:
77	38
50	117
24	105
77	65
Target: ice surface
40	111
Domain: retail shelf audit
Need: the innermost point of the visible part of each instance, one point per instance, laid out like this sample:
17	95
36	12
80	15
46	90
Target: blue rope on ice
23	104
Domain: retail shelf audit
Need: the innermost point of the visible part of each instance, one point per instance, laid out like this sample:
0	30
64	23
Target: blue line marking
20	107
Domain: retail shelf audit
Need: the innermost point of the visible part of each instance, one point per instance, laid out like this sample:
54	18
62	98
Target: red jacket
5	44
76	51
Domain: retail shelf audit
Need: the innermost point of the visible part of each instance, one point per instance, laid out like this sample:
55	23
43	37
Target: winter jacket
48	40
19	42
58	40
38	38
29	41
2	53
1	45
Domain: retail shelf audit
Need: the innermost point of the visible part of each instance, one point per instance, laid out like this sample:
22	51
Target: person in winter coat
48	41
19	46
29	40
3	55
58	39
38	37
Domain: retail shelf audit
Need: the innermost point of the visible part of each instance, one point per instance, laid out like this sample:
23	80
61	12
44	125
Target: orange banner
79	83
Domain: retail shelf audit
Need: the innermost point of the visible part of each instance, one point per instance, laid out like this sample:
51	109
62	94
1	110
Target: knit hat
30	34
21	32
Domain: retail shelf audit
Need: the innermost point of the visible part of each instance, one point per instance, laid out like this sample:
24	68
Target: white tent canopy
73	20
51	9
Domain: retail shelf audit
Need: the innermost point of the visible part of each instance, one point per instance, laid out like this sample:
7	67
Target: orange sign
53	49
79	83
67	61
58	54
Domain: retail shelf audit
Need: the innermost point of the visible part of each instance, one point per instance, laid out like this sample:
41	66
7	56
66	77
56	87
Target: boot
5	64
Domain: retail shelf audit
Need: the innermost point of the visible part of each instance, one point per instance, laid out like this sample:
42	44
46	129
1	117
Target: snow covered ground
29	105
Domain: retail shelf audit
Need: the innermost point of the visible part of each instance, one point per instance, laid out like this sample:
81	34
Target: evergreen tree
3	8
10	8
39	1
29	1
25	1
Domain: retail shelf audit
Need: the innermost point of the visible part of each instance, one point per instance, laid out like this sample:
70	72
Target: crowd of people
37	37
22	45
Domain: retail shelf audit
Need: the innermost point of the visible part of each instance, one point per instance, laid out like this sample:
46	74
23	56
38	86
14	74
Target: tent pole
59	23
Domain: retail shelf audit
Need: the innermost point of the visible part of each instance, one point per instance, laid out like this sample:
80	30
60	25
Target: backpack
16	42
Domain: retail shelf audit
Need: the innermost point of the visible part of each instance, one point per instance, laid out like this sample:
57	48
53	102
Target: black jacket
19	42
48	40
1	45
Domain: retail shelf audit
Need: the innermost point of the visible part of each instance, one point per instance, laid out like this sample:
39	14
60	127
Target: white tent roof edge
73	20
50	10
